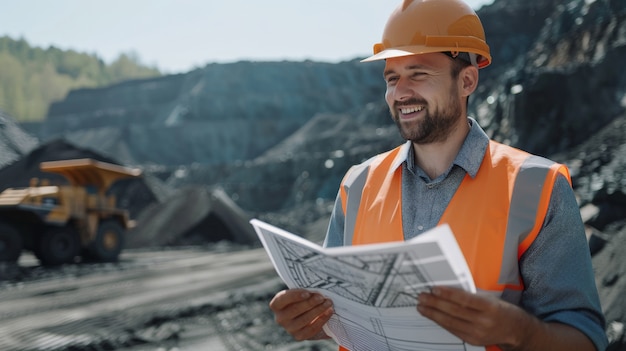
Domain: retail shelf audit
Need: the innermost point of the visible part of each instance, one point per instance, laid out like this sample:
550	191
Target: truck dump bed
85	172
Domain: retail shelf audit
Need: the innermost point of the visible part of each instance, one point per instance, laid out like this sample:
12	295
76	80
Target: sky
178	36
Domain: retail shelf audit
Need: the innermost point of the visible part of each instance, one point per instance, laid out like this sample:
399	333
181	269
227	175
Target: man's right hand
302	313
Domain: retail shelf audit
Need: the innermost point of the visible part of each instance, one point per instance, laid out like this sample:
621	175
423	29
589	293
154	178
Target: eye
391	79
418	75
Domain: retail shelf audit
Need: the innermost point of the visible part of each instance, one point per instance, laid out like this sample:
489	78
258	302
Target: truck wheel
58	245
108	243
10	243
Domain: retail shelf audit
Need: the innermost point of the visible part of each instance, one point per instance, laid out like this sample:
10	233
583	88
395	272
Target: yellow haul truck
61	222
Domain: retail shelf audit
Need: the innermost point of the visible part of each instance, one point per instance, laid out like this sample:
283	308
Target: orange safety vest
495	216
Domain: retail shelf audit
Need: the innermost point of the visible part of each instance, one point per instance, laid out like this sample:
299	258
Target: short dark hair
459	61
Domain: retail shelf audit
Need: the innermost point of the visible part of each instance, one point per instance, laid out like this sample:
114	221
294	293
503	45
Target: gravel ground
231	319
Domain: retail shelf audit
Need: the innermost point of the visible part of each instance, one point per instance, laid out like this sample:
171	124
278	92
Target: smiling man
513	214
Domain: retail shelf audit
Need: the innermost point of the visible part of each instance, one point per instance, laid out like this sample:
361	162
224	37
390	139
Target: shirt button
419	227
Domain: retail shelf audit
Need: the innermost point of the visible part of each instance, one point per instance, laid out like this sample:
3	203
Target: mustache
409	102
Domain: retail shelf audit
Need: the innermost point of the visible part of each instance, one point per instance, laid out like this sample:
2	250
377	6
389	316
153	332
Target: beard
435	126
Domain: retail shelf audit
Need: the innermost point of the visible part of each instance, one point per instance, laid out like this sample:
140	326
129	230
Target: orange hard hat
425	26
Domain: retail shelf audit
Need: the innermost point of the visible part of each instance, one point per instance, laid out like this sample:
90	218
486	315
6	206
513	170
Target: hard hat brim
389	53
420	49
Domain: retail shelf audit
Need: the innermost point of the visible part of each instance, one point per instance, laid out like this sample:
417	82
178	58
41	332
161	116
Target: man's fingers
287	297
475	318
310	324
291	305
459	297
446	306
300	312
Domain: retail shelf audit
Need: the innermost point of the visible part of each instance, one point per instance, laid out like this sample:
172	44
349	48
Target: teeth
408	110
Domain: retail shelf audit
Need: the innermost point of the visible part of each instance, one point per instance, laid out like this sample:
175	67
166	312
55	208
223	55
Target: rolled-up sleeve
557	271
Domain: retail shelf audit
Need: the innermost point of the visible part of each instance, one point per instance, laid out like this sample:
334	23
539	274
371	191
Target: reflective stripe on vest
495	216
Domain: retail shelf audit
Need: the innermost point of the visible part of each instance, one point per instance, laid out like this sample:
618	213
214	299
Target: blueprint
374	288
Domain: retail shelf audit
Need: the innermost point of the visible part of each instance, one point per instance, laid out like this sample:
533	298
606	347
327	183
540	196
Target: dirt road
185	299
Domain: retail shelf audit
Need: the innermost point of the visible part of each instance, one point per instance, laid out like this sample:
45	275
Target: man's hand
486	320
476	319
302	313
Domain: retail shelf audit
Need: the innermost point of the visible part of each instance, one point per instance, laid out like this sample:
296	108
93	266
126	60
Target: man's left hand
474	318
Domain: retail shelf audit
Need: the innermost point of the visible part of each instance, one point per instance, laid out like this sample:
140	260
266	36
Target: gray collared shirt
556	269
435	194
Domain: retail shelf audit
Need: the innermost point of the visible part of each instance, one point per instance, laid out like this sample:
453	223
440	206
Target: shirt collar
470	155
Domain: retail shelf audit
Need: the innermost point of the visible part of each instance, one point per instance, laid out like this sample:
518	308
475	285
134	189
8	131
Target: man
514	214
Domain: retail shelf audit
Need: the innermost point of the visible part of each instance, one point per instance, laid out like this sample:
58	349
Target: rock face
278	136
218	114
563	82
14	142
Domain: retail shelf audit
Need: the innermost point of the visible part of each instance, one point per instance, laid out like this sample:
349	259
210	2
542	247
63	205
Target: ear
468	78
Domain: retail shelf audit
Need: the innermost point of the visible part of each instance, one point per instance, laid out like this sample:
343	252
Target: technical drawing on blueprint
374	288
